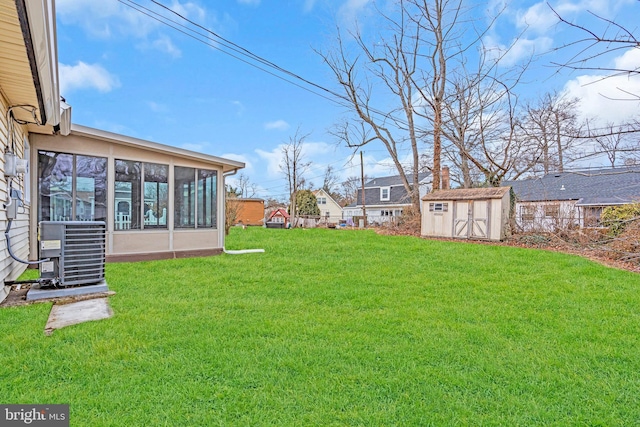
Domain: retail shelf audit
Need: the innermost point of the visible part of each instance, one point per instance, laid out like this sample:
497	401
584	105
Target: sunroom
157	201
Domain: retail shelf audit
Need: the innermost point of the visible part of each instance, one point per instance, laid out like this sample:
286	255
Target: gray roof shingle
603	187
397	193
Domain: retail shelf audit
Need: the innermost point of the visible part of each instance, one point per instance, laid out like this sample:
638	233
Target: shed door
461	219
480	219
471	219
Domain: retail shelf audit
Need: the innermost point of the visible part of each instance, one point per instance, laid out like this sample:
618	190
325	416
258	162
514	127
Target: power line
166	21
334	97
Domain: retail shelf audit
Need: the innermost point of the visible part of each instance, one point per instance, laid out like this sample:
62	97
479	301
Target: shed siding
9	268
489	216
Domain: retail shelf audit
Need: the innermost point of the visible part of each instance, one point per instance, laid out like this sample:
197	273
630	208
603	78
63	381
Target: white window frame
384	198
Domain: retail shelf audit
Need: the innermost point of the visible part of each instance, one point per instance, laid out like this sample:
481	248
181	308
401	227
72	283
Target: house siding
250	212
9	268
548	216
331	211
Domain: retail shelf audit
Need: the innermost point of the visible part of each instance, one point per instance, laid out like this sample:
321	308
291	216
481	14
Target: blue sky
124	72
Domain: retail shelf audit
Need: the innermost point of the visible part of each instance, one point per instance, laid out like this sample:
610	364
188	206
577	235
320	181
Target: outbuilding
470	213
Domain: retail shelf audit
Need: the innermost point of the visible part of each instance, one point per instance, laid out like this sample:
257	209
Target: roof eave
227	164
37	21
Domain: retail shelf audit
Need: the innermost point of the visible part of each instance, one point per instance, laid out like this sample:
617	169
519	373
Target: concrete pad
36	293
77	312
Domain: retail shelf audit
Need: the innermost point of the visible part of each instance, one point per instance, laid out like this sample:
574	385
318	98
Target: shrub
618	217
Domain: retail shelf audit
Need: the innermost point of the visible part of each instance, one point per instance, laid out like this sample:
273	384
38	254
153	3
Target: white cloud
520	50
630	60
164	44
239	107
272	159
606	100
189	10
538	18
609	99
198	147
313	152
104	19
276	125
308	5
86	76
157	108
111	19
239	158
350	10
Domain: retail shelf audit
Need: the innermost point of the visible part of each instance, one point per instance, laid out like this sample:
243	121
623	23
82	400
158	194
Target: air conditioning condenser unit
75	252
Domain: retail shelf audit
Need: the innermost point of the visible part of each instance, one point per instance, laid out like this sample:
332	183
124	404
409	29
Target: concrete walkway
77	312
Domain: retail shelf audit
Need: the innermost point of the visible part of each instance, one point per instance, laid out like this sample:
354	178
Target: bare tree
246	188
613	142
232	209
412	63
293	167
552	125
593	43
349	189
382	71
480	121
330	181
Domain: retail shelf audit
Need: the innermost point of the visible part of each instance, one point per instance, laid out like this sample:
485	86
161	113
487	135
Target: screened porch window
156	195
140	203
195	198
71	187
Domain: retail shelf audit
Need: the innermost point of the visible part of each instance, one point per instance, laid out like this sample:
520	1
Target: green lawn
337	327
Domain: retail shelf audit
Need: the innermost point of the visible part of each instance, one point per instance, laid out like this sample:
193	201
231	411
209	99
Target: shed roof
594	187
468	194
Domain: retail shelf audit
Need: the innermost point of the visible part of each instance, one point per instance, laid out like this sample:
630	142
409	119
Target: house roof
28	53
280	211
602	187
389	181
397	194
468	194
248	199
322	191
114	138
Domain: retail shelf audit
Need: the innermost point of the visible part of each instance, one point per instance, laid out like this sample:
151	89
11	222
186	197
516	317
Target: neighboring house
573	199
279	218
157	201
330	210
385	198
469	213
250	211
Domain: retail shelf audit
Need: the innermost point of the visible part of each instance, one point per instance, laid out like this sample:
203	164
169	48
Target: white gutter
42	25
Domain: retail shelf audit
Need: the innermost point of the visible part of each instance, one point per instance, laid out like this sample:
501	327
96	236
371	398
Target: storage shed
471	213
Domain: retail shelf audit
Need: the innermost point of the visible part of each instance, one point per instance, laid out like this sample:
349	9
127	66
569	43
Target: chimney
445	178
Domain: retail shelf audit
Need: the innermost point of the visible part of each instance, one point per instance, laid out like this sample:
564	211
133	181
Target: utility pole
364	209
